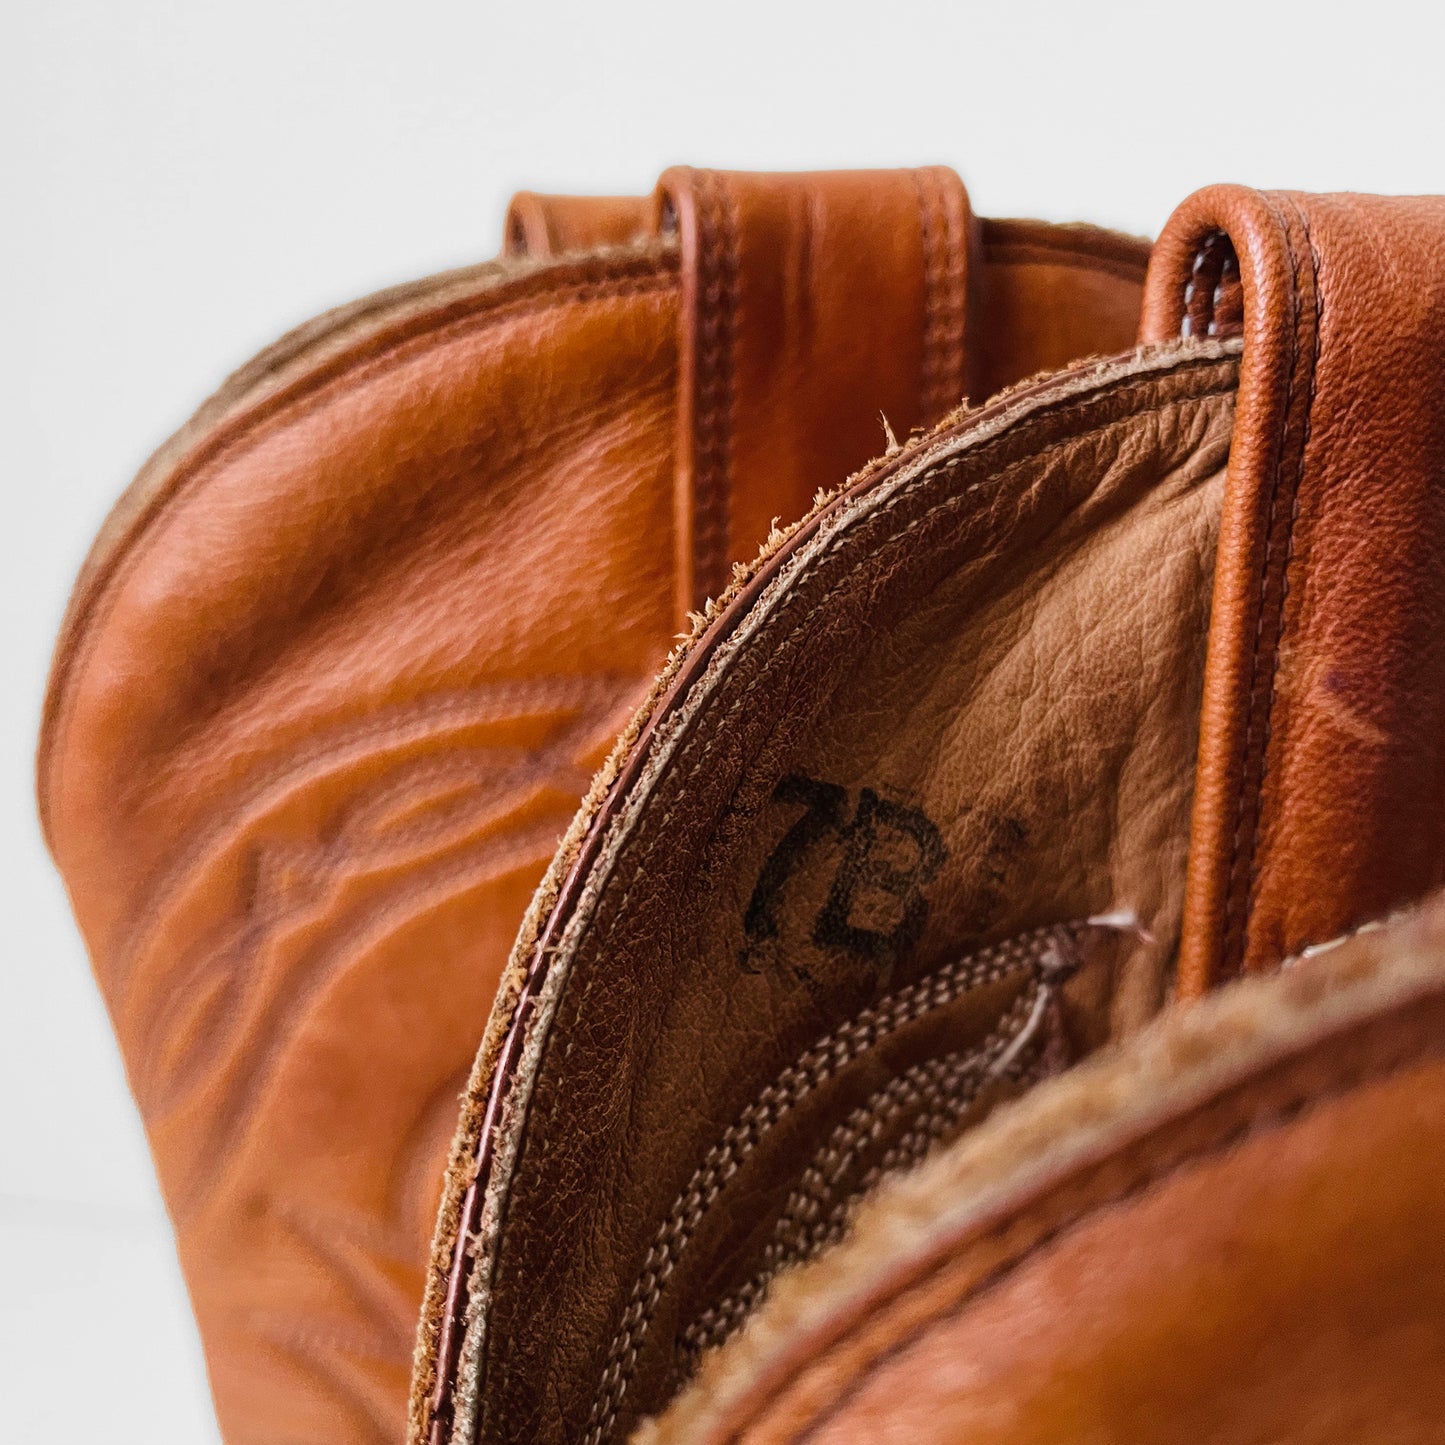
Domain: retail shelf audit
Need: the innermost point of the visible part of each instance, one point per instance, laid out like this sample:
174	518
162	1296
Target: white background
180	182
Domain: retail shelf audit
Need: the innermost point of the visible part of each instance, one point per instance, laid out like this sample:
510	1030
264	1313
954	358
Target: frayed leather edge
833	512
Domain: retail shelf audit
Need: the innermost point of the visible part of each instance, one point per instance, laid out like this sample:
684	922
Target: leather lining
965	903
1261	1063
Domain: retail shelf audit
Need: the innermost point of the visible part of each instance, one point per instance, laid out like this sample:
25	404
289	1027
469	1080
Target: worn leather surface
1227	1231
1322	765
997	636
331	684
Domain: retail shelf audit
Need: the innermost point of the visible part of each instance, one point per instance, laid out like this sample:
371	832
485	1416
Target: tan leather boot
348	652
1122	685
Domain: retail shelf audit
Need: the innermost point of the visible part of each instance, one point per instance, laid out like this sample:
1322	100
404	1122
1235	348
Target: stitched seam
1233	901
945	300
1306	1095
609	689
289	408
811	1071
930	361
1291	537
1254	759
715	323
956	314
798	628
687	768
945	506
1214	244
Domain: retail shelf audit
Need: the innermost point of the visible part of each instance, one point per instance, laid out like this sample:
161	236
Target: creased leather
1320	799
333	678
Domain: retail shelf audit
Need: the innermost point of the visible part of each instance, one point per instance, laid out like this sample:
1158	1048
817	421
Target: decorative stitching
715	327
1313	1080
942	361
443	1368
1044	949
931	358
1240	878
928	356
589	700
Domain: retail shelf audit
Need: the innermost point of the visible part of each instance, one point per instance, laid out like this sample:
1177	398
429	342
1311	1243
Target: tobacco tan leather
1226	1231
808	281
1321	794
346	655
947	731
999	633
550	226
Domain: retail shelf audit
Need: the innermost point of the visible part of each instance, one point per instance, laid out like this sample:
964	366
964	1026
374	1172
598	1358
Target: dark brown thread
715	327
1289	559
928	361
942	361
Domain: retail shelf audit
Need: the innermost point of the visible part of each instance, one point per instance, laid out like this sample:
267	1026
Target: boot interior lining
956	708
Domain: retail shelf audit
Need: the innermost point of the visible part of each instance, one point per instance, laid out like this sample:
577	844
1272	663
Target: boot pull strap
545	226
811	303
1320	792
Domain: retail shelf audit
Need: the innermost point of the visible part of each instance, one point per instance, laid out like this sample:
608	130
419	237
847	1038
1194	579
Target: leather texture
549	226
1226	1231
793	288
347	654
956	705
1001	639
1321	790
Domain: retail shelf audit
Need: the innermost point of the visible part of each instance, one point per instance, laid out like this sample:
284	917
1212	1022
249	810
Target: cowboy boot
348	652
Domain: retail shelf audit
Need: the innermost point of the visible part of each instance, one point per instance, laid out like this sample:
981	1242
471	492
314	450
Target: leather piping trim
1073	392
1244	655
1274	583
1346	1059
651	269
